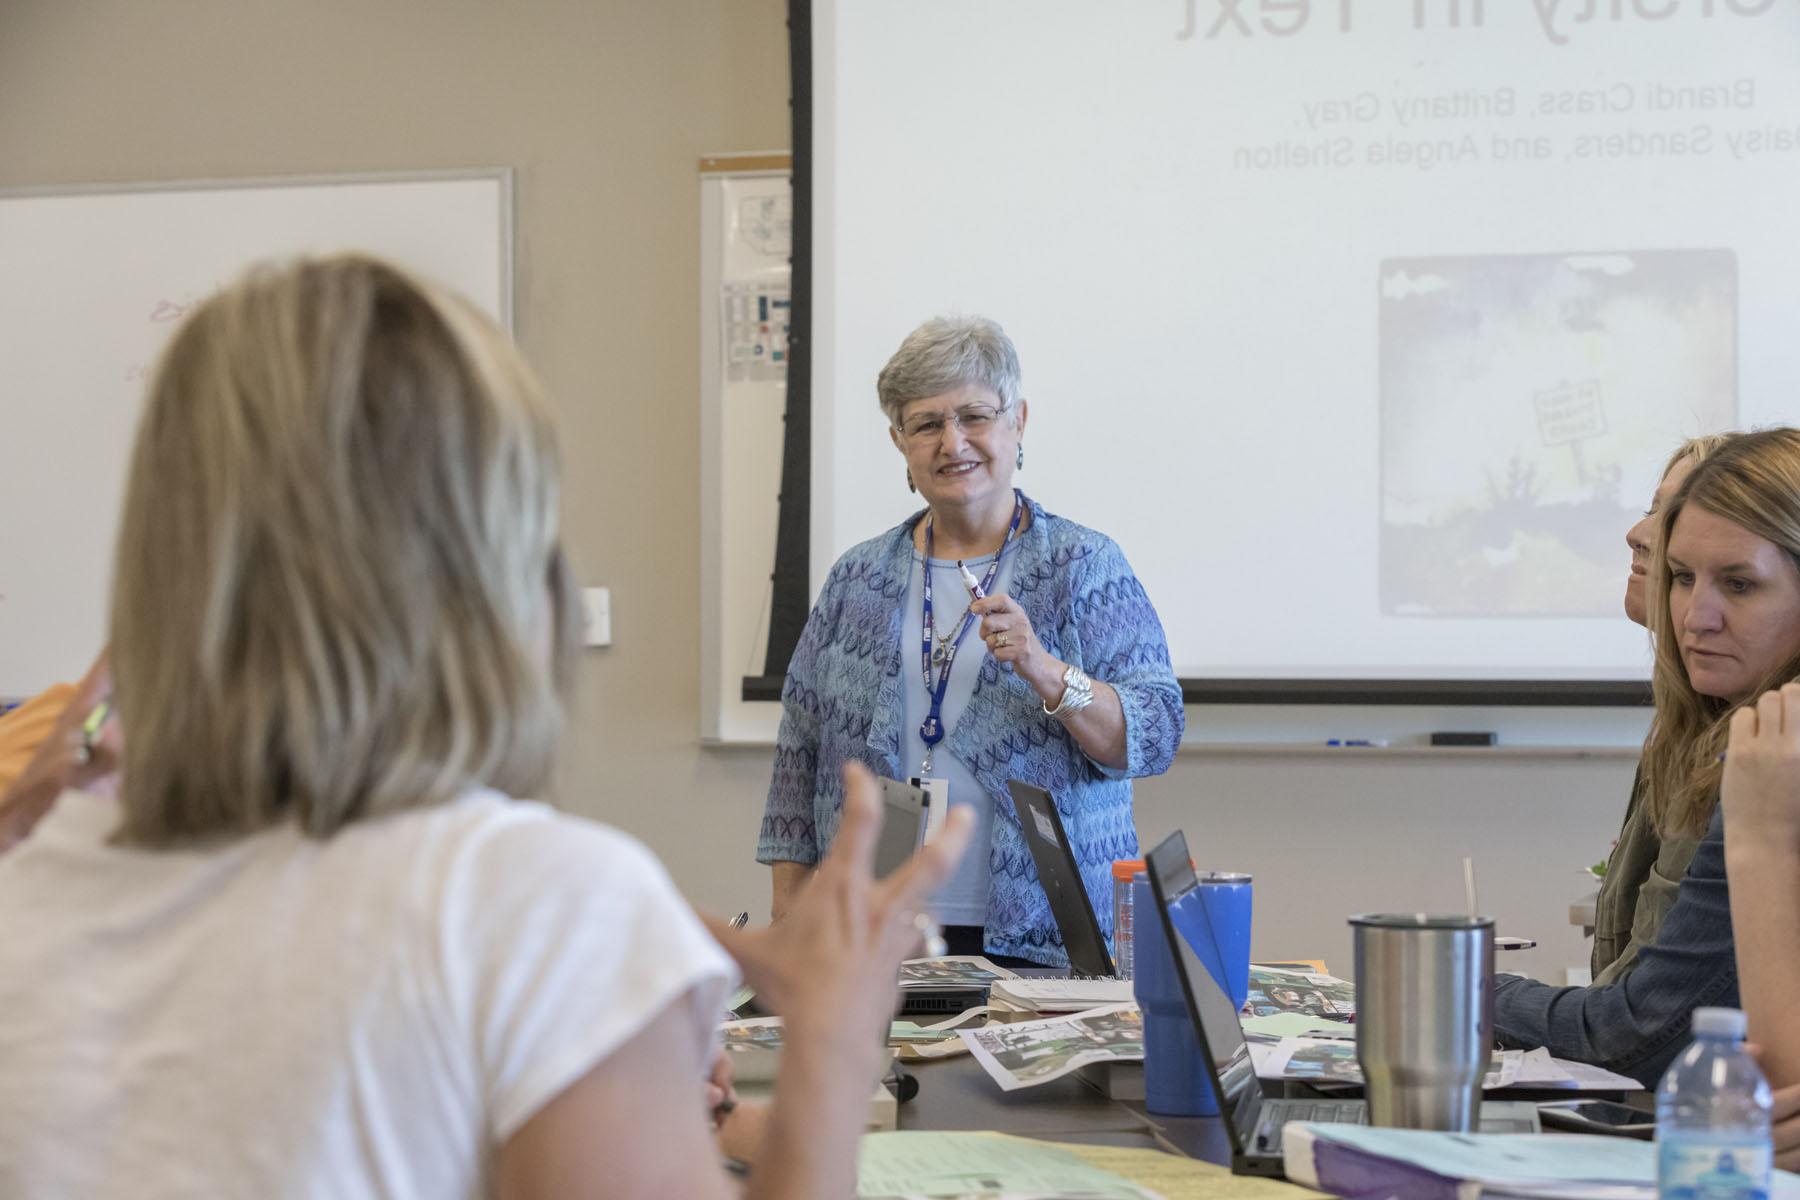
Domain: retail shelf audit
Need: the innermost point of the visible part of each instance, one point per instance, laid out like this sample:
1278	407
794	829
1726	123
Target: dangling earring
910	485
1019	459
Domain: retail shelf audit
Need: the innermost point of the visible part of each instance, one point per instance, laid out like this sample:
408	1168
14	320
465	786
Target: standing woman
1059	677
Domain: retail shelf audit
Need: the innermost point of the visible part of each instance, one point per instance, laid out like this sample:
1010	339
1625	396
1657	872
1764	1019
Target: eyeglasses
973	419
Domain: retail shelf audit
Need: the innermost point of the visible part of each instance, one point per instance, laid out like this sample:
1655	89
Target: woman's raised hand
1760	792
829	967
1010	639
70	757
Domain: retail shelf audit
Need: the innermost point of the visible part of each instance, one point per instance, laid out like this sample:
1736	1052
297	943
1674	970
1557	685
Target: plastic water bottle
1123	872
1712	1116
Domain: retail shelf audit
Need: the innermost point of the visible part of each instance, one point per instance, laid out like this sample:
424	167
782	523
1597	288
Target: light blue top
963	898
844	701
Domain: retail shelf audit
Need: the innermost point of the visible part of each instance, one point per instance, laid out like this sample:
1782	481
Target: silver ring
1000	641
83	753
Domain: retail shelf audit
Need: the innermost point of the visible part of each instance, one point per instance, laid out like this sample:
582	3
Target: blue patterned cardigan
843	701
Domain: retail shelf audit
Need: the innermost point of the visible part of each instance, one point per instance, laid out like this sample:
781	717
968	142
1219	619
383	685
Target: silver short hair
946	353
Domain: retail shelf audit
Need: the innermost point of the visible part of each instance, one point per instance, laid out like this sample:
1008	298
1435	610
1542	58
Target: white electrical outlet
596	616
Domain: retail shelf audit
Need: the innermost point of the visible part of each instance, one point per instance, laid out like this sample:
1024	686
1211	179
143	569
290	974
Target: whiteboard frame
506	177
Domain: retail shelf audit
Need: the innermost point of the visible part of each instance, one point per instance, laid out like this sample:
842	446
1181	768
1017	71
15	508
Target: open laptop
1253	1121
1069	901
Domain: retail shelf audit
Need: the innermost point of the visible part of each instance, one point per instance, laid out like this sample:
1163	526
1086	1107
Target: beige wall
602	107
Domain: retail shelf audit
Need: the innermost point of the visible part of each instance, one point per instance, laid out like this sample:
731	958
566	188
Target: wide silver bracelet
1078	693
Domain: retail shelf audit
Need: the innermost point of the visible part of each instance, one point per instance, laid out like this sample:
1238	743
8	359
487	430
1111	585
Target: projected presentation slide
1516	393
1364	326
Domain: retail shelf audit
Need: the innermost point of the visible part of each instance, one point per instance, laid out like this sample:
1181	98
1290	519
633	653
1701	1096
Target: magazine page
1027	1053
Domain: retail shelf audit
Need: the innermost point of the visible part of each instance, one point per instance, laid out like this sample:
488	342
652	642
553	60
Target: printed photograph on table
956	971
1032	1052
759	1033
1527	402
1273	990
1321	1062
1309	1060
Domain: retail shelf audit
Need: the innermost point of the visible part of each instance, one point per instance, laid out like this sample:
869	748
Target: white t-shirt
368	1016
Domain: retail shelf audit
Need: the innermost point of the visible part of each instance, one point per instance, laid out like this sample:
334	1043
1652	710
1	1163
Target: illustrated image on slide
1523	398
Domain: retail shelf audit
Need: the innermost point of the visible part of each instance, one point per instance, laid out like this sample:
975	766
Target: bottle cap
1719	1022
1125	868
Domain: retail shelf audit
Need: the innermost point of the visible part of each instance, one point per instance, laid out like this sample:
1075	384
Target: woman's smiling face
961	447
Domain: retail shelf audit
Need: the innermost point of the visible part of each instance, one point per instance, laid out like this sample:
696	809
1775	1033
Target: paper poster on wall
753	319
765	224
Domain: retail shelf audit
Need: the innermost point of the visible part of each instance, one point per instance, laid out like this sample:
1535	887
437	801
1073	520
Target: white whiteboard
91	284
746	220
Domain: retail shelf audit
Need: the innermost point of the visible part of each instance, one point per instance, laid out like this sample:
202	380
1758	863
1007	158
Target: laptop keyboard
1330	1112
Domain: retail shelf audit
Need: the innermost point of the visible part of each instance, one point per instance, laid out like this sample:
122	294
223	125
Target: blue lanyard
931	729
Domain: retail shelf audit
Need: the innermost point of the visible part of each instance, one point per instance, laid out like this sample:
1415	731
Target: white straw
1469	885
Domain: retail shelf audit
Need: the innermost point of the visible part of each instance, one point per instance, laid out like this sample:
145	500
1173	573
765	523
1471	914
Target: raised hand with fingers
1761	788
829	968
77	754
832	961
1760	798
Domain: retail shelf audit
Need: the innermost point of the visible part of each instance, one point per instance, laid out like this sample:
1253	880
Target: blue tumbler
1176	1082
1224	898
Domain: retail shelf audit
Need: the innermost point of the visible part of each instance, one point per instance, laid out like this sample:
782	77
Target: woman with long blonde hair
1725	605
1648	859
315	947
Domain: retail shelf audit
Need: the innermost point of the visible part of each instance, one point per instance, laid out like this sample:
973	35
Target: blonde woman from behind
316	947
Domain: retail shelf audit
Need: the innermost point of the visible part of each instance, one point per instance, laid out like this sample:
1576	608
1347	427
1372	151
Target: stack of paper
957	970
1061	995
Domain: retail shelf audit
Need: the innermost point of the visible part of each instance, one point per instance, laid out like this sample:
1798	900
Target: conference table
956	1094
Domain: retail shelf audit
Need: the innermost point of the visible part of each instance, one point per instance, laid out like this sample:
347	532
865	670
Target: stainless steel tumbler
1424	1017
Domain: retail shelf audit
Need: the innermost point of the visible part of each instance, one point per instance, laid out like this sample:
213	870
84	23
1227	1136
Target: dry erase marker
970	582
90	728
90	734
1356	742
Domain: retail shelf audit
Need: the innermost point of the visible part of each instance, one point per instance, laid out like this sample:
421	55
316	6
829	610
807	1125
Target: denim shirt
1639	1024
842	702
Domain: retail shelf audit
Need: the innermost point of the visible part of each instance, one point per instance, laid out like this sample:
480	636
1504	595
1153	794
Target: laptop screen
1222	1035
1070	905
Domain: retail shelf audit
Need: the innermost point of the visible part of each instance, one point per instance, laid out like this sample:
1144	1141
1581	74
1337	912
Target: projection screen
1364	326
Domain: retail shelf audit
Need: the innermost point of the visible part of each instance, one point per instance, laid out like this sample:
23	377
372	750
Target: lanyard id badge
931	729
